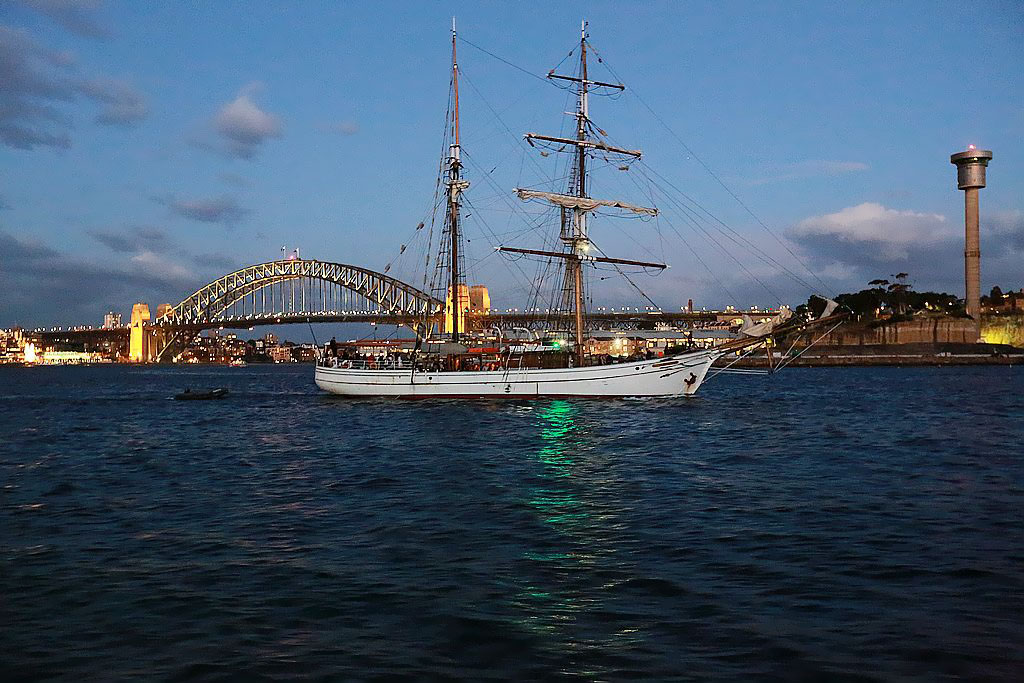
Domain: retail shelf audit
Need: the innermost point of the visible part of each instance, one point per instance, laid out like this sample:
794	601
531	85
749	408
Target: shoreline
882	360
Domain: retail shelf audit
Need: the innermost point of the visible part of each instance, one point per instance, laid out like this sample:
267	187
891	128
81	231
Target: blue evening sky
149	147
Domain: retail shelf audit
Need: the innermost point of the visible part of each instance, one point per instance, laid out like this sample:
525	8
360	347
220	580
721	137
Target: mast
455	187
580	217
575	204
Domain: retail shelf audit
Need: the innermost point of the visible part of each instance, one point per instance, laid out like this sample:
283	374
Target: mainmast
455	187
578	236
574	233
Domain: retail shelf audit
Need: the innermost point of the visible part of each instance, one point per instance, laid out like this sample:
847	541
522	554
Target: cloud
139	239
1003	233
77	16
810	169
148	246
44	286
216	262
160	267
867	241
123	105
28	88
38	84
223	209
243	126
870	232
23	251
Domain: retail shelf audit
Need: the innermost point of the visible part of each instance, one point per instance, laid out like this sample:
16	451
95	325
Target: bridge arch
215	301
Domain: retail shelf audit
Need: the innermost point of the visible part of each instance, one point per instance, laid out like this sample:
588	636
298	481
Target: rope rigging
717	179
722	239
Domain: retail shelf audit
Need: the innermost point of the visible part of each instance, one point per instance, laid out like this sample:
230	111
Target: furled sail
752	329
830	308
569	201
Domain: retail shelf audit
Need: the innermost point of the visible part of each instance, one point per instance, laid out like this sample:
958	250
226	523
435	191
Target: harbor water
823	524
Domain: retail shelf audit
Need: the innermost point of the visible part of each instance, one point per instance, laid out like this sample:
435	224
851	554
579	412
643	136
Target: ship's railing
363	364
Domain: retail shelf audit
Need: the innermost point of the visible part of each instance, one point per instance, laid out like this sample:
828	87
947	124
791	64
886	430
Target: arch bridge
292	290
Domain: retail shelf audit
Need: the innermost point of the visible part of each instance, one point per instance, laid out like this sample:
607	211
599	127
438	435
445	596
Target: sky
147	148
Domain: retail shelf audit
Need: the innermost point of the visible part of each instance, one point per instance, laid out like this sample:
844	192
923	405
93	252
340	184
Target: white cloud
860	243
160	267
886	234
244	126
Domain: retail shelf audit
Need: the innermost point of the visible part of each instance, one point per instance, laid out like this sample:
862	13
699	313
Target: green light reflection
556	586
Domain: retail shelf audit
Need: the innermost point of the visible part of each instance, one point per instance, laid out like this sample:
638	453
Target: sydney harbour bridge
309	291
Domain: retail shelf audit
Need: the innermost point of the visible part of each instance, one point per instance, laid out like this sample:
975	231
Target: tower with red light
970	176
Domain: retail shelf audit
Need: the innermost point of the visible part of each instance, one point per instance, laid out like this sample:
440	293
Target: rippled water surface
824	524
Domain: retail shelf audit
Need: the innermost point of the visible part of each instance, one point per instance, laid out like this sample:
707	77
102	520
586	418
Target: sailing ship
558	366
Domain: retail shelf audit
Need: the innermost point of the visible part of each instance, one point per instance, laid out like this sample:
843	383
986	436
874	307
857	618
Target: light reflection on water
572	501
557	505
792	529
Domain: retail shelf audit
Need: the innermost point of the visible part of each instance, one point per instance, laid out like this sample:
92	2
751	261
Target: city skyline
136	168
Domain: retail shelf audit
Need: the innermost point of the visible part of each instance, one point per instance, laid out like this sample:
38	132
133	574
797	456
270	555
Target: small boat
189	395
237	363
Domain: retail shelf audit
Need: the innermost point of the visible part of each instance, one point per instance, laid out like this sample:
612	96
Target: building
280	354
111	321
304	353
479	299
12	345
461	306
1009	302
70	357
623	344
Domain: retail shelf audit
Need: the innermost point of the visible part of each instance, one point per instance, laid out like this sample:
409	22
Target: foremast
456	185
574	232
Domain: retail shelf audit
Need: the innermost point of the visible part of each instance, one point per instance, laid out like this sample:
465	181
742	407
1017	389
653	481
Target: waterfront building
70	357
624	344
280	354
111	321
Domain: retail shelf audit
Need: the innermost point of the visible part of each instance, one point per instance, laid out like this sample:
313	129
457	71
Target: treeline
891	298
997	297
896	298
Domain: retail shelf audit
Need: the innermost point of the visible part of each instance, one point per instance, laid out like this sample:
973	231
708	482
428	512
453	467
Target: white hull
677	375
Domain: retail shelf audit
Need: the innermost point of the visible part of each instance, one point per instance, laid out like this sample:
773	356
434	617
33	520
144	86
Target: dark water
826	524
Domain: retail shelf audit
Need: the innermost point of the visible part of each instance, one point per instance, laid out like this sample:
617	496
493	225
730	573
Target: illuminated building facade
141	343
461	306
479	299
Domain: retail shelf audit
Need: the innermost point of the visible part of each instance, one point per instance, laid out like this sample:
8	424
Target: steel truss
238	291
